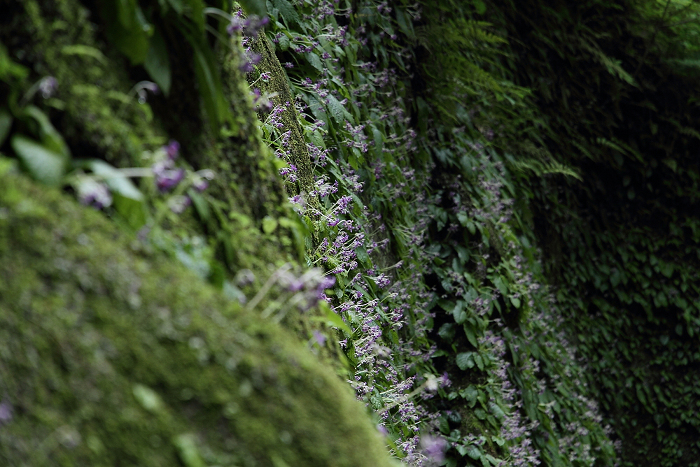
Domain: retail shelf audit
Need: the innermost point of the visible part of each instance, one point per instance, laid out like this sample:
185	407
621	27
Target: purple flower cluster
93	193
165	174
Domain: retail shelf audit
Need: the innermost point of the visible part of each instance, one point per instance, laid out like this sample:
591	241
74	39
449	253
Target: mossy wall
113	356
113	353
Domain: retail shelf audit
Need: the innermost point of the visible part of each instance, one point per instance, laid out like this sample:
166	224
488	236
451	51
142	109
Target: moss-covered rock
113	356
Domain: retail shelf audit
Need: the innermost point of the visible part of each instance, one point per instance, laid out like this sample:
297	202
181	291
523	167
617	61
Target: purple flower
237	25
320	338
47	86
434	447
172	149
92	193
167	177
5	413
200	185
326	283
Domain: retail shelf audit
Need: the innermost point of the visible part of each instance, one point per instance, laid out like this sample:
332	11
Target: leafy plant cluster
620	104
461	289
440	153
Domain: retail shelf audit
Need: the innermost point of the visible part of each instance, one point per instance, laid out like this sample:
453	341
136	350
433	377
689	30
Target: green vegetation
482	216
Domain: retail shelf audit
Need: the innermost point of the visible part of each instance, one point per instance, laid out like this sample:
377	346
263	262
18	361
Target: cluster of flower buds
166	175
249	26
311	283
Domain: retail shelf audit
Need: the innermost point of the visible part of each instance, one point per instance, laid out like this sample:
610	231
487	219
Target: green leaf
471	335
5	125
363	257
331	318
458	312
336	109
129	202
200	205
284	42
287	10
147	398
50	137
465	360
157	62
209	82
257	7
501	285
480	7
515	302
43	164
187	450
84	50
473	452
314	60
127	28
470	394
269	224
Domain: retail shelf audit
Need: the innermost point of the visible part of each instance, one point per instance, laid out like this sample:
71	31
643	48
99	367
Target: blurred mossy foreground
111	356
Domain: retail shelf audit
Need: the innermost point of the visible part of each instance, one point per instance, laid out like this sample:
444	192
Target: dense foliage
493	203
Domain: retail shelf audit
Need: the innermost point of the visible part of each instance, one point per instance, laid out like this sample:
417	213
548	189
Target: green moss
94	108
278	87
111	356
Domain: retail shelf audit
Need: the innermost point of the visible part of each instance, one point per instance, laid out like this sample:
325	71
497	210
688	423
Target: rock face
110	355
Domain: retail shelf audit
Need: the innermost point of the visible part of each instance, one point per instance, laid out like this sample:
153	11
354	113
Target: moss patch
111	356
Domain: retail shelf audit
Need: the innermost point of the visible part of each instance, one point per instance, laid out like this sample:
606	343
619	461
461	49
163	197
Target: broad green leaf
363	257
501	285
287	10
314	60
127	28
50	137
458	312
336	109
42	163
269	224
473	452
470	394
471	335
115	180
465	360
284	42
157	62
8	68
257	7
134	212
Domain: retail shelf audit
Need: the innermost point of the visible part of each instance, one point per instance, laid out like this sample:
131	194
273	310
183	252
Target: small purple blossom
48	86
166	175
6	413
172	149
434	447
93	193
320	338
